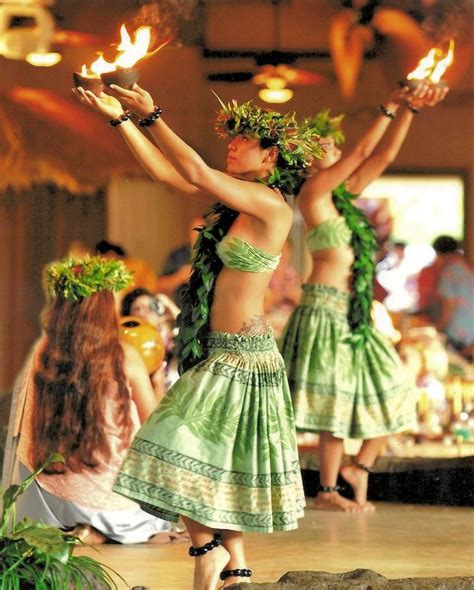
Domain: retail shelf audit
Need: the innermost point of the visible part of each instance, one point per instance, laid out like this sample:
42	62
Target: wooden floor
398	541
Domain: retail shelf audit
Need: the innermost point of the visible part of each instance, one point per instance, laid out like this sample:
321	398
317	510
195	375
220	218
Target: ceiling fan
275	72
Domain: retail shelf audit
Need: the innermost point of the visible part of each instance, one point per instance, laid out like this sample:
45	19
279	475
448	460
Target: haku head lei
73	279
296	146
324	125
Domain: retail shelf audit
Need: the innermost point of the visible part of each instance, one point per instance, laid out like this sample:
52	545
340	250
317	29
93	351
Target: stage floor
398	541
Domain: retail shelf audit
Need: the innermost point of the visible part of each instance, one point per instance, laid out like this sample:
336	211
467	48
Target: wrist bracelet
386	112
125	116
151	118
414	110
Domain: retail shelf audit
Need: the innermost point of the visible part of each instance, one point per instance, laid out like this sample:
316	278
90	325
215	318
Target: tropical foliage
324	125
38	556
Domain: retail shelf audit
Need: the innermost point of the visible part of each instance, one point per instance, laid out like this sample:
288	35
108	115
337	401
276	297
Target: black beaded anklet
197	551
238	573
125	116
363	467
329	489
151	118
386	113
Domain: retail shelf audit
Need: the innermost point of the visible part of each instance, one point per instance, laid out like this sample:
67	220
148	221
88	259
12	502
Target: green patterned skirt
221	446
362	393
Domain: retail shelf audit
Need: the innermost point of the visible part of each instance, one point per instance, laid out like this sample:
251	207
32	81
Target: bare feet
358	479
169	537
208	567
88	534
334	501
235	580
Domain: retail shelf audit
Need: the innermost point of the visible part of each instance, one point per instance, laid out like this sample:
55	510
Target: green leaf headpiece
73	279
296	146
325	126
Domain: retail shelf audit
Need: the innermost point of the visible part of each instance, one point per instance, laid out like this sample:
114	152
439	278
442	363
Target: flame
433	65
130	53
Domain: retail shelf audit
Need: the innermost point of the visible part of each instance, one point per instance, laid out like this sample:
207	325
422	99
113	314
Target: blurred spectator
455	288
143	274
161	312
178	265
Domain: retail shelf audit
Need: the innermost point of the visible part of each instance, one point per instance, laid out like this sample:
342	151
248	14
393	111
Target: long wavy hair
80	358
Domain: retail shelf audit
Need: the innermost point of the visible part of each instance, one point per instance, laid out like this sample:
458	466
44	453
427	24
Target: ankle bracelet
363	467
197	551
238	573
329	489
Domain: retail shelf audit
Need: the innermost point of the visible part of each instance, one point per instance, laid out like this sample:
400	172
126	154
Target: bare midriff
238	299
332	267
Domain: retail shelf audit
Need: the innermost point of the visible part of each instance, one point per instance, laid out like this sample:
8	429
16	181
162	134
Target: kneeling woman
82	394
220	450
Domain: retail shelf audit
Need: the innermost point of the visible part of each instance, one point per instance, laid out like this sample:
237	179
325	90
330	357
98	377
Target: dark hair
103	247
129	299
445	245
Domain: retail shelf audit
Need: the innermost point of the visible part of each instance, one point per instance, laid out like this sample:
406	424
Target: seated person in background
427	281
178	265
161	313
455	288
82	394
142	273
284	291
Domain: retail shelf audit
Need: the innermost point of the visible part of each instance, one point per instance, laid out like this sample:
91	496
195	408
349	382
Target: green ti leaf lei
364	246
194	319
73	279
325	126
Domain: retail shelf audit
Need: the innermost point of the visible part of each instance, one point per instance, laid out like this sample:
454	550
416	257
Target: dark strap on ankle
363	467
238	573
197	551
329	489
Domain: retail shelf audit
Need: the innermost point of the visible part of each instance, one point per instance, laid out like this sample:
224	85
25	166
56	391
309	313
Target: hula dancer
220	450
345	378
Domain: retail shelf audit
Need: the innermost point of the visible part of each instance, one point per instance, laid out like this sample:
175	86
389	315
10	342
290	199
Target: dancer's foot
208	568
334	501
244	578
358	479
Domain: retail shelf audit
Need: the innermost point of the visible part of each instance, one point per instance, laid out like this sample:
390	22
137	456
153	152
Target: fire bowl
412	84
125	77
95	85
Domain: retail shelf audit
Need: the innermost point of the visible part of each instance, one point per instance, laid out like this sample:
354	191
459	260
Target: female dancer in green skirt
345	378
220	449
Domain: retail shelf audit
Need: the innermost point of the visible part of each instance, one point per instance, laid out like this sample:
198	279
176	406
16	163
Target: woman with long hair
220	450
83	394
346	379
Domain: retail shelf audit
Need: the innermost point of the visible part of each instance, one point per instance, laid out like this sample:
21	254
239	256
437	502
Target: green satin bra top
238	254
332	233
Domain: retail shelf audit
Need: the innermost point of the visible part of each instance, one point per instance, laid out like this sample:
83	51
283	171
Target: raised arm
324	181
387	151
147	154
252	198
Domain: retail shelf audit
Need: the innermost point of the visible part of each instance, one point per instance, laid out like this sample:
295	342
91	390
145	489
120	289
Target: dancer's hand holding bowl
103	103
138	100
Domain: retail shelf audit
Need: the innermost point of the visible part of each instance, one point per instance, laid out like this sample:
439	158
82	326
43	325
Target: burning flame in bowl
433	65
130	53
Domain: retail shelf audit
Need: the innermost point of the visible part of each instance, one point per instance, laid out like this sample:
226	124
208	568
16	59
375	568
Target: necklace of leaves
194	319
364	246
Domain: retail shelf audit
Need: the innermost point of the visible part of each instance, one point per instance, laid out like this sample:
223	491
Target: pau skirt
221	446
351	392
